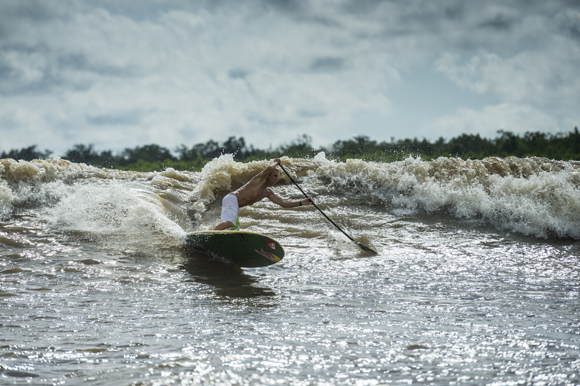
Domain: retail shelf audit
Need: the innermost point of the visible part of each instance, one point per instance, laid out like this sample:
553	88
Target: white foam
117	209
533	196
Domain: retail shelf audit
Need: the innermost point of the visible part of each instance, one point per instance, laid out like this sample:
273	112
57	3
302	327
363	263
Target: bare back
258	187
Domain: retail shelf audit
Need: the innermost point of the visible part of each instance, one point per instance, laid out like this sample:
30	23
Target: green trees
26	154
561	146
83	154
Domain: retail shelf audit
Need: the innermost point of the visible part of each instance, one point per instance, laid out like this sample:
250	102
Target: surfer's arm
276	199
269	169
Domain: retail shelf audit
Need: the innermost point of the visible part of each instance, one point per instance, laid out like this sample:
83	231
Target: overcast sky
119	74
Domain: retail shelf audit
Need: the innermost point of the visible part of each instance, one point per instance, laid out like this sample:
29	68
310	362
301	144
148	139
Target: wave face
533	196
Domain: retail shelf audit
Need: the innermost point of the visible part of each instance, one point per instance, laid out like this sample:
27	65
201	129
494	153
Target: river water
476	281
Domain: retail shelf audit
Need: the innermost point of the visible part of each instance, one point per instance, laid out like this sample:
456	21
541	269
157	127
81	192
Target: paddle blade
366	249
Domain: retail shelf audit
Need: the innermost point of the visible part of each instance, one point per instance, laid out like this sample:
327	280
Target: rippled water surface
95	287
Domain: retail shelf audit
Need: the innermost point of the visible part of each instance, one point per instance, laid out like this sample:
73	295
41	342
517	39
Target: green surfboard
245	249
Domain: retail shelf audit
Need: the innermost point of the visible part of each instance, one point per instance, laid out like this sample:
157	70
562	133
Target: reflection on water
228	279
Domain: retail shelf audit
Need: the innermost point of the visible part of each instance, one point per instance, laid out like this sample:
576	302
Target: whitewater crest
533	196
123	210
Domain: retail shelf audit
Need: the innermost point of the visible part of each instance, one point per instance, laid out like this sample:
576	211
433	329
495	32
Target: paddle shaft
361	245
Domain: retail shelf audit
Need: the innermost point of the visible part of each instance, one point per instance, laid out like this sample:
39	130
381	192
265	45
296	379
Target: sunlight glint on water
476	281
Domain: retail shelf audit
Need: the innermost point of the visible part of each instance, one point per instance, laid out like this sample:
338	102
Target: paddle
361	245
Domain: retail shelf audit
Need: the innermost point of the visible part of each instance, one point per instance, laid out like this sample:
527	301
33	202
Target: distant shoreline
561	146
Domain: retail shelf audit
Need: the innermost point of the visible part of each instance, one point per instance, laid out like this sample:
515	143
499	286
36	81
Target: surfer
255	190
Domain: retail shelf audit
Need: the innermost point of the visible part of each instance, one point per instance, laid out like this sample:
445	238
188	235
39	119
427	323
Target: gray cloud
499	22
238	73
287	6
273	69
130	118
41	69
327	64
16	16
33	10
568	23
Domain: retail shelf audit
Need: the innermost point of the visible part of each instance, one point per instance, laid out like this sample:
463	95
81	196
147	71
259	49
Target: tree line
560	146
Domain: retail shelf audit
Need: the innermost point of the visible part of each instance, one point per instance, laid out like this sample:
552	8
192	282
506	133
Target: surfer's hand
307	201
277	161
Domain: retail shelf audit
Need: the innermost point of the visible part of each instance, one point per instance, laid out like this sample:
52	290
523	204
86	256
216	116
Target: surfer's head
273	177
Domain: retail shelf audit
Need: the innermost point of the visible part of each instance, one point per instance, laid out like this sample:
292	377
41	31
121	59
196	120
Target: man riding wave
253	191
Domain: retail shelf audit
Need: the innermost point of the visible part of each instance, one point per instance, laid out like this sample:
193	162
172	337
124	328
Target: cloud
541	78
327	64
490	119
118	74
537	84
203	73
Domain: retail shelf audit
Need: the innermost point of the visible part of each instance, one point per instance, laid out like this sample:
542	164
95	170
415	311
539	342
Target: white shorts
231	210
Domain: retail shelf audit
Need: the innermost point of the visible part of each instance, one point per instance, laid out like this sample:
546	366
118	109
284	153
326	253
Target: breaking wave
533	196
